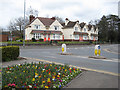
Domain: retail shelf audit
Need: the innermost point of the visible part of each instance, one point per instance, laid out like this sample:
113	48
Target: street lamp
24	24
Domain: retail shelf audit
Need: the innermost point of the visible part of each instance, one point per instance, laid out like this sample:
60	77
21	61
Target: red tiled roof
70	24
82	24
46	21
89	26
46	32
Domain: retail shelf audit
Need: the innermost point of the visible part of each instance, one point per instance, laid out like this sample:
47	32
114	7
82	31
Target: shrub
41	40
33	40
9	53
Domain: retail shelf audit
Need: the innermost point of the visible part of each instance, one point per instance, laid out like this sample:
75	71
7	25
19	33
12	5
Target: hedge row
9	53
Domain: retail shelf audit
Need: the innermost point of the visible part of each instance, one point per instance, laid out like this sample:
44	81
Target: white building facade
49	29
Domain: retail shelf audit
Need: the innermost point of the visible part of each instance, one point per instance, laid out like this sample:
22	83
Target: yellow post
99	52
62	49
96	52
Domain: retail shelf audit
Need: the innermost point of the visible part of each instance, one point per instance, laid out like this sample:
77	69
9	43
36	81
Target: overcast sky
82	10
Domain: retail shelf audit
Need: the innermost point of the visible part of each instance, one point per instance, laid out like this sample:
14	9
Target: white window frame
76	37
76	28
85	30
37	36
56	28
37	26
85	37
56	36
92	37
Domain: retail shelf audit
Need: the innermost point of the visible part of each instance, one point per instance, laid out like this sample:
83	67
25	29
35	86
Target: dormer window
76	28
37	26
56	27
85	30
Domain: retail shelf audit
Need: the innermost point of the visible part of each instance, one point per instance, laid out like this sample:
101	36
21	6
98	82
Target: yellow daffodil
46	86
33	79
58	75
49	74
51	65
43	81
44	75
23	71
65	70
53	77
48	80
63	67
39	76
36	73
54	73
35	67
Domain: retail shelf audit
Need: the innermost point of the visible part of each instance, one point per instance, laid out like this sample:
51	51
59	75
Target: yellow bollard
99	52
62	49
96	52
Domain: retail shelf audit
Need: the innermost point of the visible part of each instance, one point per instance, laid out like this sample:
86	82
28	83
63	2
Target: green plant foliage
38	75
9	53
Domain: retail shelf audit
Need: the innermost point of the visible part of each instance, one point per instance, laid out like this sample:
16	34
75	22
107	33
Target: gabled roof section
94	27
46	21
89	27
63	24
70	24
82	24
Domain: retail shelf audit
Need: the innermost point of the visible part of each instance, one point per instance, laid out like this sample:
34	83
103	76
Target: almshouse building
44	28
51	29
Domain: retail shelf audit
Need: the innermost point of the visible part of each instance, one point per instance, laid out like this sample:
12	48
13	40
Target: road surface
79	57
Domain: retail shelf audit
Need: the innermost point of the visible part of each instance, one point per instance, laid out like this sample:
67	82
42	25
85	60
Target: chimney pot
31	17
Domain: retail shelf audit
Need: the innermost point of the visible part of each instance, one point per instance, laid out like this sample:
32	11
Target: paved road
79	57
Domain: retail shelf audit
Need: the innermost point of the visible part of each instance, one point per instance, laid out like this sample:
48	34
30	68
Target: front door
63	37
48	37
44	37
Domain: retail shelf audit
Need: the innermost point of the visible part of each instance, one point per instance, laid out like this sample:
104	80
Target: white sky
82	10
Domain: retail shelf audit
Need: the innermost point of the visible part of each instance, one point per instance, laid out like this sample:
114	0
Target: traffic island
97	57
38	75
65	53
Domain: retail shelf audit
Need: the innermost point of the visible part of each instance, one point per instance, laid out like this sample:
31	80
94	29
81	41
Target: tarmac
87	79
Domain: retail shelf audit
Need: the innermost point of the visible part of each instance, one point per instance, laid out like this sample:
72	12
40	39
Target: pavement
88	78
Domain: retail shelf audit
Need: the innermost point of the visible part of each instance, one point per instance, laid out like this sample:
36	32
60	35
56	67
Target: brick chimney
53	18
31	17
66	21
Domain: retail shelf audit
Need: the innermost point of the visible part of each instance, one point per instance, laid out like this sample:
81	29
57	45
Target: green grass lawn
38	75
73	42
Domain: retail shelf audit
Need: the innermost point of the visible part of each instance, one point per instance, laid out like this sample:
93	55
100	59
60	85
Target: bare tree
59	19
17	24
31	11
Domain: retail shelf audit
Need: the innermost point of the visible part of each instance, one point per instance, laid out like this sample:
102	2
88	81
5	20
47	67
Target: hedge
9	53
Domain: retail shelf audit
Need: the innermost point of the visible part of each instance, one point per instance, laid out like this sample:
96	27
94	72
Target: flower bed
38	75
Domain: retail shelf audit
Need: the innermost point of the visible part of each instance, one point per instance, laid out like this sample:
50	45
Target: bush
33	40
9	53
41	40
